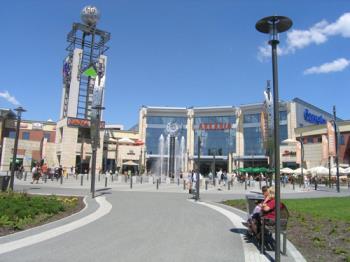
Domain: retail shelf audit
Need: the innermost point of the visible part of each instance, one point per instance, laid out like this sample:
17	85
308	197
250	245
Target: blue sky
163	49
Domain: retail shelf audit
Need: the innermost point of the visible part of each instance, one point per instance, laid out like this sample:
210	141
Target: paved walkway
146	224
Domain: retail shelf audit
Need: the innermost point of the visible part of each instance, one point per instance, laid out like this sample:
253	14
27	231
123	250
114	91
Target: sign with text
216	126
79	122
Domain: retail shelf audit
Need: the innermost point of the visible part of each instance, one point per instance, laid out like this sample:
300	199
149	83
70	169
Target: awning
130	163
125	140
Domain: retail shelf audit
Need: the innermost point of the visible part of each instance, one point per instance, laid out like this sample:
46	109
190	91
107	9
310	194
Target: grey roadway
143	227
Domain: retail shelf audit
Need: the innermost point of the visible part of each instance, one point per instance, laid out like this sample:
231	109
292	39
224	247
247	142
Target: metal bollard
157	184
61	180
245	184
112	178
25	176
293	184
126	179
87	176
184	184
45	178
206	185
284	183
141	180
178	181
81	180
315	184
130	182
99	177
260	182
228	186
106	180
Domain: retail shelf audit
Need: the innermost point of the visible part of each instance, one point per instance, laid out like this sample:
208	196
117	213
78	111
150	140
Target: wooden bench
268	225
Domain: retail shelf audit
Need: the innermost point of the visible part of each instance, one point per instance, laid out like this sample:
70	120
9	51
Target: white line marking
104	209
251	253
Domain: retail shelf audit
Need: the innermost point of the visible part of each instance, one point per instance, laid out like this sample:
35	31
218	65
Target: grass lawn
19	211
318	227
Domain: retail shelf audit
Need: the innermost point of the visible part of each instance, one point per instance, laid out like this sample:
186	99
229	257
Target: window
214	119
25	135
309	140
12	134
164	120
251	118
283	132
319	139
341	140
47	136
253	144
283	115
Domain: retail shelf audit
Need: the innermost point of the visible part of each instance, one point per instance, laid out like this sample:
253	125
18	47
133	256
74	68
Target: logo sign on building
313	119
216	126
78	122
289	153
37	126
331	139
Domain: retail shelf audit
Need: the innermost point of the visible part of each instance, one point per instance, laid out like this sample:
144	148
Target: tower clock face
172	128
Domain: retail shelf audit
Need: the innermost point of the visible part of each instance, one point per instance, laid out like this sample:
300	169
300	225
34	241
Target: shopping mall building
233	135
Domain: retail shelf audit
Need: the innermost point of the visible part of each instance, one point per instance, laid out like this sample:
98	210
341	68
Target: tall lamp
19	111
273	25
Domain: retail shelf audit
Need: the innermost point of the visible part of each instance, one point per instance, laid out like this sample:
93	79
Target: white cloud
316	34
335	66
11	99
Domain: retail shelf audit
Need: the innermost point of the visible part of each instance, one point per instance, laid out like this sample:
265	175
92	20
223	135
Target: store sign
216	126
78	122
37	126
131	153
289	153
314	119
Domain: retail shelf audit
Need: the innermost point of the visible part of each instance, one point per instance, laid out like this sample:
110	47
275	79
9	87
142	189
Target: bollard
214	182
25	176
228	186
315	184
61	180
260	182
178	181
106	180
130	182
126	179
293	183
112	177
206	185
157	183
99	177
184	184
81	179
245	184
141	180
87	176
284	183
45	178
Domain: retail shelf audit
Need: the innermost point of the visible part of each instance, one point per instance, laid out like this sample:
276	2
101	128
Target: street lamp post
198	171
302	157
94	145
336	147
19	111
273	25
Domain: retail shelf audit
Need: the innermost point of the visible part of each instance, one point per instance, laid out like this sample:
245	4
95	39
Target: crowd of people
42	170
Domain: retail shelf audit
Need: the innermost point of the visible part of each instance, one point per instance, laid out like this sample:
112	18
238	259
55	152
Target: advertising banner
331	139
324	147
298	153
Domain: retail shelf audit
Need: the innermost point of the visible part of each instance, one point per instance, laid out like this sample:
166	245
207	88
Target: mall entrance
207	166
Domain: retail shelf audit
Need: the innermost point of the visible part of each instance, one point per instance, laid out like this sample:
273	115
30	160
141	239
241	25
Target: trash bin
251	198
4	181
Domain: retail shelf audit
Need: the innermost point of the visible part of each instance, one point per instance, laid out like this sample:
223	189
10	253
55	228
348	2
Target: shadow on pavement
269	246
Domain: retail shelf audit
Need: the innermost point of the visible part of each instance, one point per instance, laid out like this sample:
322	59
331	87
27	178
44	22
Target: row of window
318	139
26	135
255	118
247	118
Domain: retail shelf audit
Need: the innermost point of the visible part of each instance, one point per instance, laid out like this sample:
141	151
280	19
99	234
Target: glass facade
215	141
157	127
253	144
283	132
251	118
